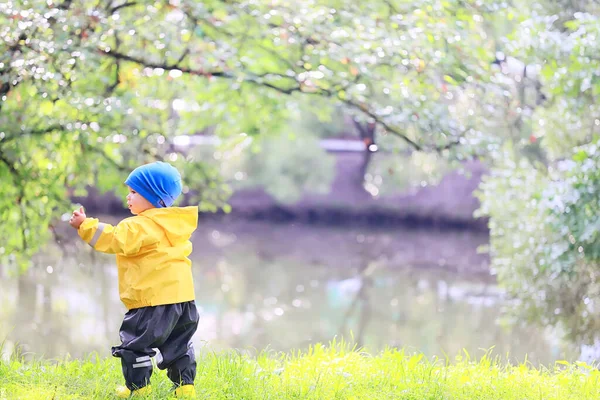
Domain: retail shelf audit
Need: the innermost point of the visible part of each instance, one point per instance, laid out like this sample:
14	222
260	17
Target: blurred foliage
287	166
90	90
542	192
388	173
544	239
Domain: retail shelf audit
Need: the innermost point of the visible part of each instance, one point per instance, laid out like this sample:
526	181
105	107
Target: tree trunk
366	131
27	297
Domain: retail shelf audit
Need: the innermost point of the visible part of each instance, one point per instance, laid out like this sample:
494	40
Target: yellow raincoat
152	251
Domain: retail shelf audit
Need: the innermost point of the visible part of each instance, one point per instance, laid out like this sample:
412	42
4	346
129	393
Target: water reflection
285	286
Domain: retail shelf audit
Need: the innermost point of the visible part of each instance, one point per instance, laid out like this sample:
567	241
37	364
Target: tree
50	121
90	90
543	220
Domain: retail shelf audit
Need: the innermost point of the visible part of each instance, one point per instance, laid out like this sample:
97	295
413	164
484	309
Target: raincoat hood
178	223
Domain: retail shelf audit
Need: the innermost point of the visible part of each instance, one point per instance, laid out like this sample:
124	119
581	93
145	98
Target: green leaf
450	80
46	107
580	156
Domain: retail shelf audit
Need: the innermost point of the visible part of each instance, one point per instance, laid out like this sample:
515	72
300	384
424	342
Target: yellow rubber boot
123	392
185	392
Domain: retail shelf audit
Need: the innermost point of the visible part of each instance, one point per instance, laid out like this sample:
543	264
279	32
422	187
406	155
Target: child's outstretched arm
126	238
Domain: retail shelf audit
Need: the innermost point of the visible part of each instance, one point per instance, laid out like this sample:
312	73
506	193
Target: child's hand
77	218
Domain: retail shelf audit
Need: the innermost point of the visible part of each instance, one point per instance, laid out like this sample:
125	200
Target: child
155	278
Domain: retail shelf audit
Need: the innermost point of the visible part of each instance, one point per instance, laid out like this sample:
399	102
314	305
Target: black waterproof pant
169	328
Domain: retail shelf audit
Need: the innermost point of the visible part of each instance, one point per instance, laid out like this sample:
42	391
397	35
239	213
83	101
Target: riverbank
323	372
448	205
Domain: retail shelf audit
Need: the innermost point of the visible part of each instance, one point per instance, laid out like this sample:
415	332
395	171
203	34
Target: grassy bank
324	372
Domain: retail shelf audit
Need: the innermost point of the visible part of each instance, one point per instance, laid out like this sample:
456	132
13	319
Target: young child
155	279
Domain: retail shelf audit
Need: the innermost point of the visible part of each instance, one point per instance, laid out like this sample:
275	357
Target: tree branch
384	124
10	166
114	9
65	5
258	81
251	78
114	85
98	151
167	67
35	132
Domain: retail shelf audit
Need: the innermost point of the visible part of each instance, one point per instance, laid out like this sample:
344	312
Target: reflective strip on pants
143	364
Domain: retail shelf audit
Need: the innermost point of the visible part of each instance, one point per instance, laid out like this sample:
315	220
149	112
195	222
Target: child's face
136	202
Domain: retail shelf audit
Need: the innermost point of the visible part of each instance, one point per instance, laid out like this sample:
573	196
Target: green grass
336	371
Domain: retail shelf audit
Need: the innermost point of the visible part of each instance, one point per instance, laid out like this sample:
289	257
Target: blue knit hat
157	182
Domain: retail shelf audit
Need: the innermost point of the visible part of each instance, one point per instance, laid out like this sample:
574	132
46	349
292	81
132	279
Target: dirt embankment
451	203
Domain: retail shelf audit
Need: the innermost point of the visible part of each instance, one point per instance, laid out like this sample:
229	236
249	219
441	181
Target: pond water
285	286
